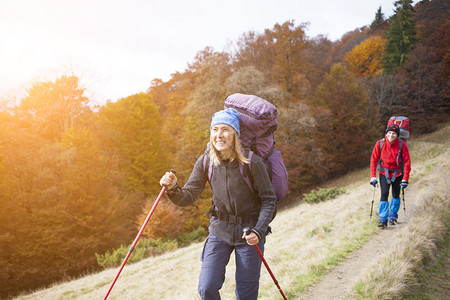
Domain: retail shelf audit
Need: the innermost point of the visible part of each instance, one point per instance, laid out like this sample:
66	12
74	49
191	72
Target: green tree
132	128
401	36
171	97
422	83
377	23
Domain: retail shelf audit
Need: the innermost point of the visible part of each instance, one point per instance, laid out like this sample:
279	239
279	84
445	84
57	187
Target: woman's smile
222	137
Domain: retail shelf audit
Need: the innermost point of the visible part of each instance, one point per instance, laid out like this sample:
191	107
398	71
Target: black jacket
231	195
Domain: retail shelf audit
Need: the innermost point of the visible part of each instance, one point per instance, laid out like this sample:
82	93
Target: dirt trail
337	283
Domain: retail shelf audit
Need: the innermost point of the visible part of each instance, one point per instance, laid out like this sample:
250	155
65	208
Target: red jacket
388	155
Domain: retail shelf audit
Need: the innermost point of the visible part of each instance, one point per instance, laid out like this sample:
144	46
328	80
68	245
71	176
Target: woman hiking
234	207
392	156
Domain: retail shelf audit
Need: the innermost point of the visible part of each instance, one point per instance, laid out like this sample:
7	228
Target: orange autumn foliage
365	58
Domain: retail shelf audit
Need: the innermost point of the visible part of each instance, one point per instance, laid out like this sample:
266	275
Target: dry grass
170	276
308	240
395	271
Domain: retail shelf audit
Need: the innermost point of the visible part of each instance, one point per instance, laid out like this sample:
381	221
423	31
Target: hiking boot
382	225
392	221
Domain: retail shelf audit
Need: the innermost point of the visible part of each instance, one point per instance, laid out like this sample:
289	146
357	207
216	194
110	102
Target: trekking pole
373	198
403	196
247	231
137	237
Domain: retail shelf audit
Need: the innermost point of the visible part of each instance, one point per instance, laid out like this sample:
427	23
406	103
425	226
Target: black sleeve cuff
174	187
173	191
257	233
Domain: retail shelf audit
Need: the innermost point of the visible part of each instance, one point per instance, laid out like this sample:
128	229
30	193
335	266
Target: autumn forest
78	179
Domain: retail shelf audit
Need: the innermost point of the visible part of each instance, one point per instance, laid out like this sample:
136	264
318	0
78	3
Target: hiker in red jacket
391	154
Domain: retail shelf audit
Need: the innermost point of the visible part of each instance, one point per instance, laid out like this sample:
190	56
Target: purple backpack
259	120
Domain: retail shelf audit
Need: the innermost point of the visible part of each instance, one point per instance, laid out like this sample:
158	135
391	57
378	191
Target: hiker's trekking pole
247	231
403	196
373	198
137	238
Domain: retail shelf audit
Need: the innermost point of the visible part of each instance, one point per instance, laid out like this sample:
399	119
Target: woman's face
222	137
391	136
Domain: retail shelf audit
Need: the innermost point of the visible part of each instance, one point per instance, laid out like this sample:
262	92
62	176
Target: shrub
149	247
195	236
319	195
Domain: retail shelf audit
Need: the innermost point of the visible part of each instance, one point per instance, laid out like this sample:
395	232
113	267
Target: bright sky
117	47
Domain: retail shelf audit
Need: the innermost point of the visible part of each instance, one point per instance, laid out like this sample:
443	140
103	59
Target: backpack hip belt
394	172
234	219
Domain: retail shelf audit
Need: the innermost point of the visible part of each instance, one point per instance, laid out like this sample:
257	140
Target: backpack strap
206	161
381	143
399	154
246	172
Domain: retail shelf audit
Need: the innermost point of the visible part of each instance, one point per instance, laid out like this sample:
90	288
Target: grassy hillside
400	267
307	241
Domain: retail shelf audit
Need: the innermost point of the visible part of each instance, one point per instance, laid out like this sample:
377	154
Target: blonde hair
214	154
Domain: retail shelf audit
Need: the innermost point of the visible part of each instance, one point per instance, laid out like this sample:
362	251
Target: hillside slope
431	163
309	241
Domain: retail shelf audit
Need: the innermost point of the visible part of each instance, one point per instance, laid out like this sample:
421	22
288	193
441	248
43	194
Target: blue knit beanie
229	117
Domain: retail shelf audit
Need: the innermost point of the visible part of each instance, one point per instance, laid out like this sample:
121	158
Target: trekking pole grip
247	230
165	185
